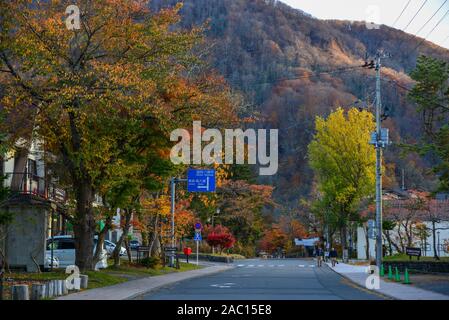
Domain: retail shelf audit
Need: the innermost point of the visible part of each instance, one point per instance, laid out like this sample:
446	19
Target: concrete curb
132	289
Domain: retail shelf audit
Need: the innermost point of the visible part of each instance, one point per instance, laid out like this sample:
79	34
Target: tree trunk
401	242
128	250
344	245
100	240
435	252
390	248
84	226
116	252
156	248
154	233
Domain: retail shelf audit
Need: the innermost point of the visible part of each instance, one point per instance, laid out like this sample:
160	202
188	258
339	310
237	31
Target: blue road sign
200	180
198	237
198	226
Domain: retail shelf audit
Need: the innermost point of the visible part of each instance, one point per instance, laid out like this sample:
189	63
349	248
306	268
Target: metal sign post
197	251
197	238
197	181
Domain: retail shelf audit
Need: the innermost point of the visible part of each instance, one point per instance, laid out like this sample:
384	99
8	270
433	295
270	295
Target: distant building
365	244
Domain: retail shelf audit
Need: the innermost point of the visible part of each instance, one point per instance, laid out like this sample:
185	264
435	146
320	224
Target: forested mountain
281	59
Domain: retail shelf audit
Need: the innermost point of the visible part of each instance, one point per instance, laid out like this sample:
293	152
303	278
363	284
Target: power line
400	15
416	14
425	24
423	40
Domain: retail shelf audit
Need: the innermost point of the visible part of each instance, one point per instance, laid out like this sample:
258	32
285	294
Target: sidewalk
134	288
358	275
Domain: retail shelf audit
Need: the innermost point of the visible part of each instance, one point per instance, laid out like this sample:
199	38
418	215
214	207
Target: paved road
286	279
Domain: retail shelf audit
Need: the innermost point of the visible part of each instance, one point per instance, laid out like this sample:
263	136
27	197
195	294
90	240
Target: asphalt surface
255	279
433	282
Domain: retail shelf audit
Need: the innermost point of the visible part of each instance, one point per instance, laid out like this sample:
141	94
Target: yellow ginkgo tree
344	165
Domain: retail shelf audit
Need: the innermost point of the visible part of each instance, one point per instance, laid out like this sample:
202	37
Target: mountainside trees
275	55
431	94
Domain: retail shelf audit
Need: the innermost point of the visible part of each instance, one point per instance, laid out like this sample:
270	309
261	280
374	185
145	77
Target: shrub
221	237
150	262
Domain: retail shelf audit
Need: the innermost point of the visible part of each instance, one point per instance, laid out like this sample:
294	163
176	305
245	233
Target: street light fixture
213	215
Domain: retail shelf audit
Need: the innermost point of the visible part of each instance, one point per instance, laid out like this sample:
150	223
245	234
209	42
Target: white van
64	251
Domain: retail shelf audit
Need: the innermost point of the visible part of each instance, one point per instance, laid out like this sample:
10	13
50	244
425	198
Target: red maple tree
220	236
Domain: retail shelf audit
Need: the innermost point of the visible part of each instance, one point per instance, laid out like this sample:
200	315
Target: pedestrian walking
333	255
319	253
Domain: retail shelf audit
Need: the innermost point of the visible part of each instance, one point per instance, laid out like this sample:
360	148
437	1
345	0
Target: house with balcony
34	205
37	205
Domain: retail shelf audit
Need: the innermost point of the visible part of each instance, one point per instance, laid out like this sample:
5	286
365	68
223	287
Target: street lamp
218	212
213	215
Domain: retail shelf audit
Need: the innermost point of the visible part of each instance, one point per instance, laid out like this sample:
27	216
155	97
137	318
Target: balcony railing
31	184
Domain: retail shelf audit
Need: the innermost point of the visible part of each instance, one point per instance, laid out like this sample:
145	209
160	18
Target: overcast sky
385	12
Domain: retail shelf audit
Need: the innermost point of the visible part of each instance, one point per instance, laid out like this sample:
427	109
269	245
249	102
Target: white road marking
240	265
224	285
312	266
301	266
260	265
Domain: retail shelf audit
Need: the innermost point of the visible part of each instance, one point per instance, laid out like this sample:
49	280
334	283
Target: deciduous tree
343	163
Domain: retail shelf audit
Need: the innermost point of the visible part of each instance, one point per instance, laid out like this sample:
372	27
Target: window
32	167
67	244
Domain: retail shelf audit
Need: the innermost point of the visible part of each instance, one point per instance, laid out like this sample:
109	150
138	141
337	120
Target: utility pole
380	140
173	182
378	166
173	194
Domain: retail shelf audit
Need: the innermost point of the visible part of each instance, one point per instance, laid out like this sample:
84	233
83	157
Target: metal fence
27	183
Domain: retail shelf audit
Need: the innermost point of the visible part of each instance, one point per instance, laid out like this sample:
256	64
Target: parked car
64	251
133	244
110	247
47	262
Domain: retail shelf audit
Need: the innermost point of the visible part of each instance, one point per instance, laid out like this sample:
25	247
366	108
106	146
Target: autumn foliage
274	239
220	236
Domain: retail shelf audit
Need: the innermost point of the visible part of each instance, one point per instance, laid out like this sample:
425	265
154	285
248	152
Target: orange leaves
157	206
184	222
274	239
